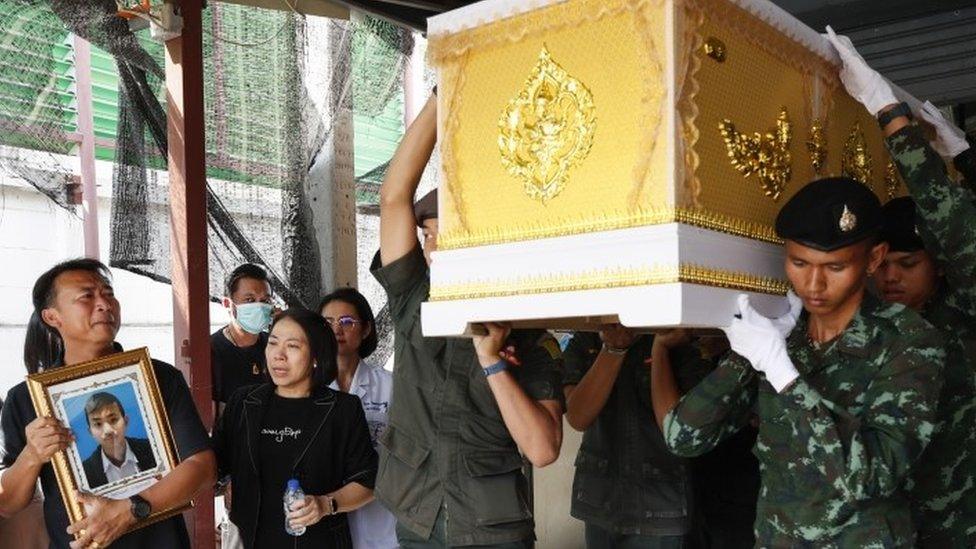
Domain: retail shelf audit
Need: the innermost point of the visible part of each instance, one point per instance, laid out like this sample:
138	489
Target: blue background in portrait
75	408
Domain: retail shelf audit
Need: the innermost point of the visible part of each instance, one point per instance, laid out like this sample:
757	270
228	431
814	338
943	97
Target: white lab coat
372	526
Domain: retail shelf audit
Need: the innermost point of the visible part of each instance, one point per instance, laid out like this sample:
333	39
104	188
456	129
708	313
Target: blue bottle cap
293	484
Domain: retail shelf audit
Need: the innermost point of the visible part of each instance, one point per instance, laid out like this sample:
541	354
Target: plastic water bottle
293	494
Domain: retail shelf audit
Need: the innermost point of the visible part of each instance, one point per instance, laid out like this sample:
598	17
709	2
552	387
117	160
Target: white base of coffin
646	305
659	305
668	244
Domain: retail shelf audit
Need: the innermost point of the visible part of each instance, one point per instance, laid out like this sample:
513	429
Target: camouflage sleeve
947	209
869	455
965	163
713	410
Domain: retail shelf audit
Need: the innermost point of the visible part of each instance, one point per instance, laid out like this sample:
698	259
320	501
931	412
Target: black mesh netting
276	85
33	107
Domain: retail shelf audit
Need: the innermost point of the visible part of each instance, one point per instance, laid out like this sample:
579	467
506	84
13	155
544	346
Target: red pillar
188	233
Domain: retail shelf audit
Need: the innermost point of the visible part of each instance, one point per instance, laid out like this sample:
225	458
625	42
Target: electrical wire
147	15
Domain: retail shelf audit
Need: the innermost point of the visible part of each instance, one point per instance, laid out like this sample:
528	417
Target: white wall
553	489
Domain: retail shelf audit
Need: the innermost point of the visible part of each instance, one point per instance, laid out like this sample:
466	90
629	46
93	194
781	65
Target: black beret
900	229
425	208
829	214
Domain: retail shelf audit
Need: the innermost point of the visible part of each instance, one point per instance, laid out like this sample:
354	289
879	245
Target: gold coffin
581	116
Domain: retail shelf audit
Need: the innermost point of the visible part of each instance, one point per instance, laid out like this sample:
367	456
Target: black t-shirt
234	367
284	434
188	433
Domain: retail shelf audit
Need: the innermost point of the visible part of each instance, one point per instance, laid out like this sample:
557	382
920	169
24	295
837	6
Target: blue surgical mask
254	318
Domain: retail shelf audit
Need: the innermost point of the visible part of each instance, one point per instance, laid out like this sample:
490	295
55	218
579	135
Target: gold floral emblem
767	155
547	129
848	221
856	162
817	146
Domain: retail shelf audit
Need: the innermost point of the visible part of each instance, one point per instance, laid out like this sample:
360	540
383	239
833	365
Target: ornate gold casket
625	159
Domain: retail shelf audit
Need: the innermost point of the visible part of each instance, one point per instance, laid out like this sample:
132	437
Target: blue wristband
495	368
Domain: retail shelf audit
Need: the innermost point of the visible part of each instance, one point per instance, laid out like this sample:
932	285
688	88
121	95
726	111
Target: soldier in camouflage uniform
846	400
931	267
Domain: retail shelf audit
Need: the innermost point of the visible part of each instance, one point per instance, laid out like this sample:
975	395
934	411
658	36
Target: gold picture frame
129	377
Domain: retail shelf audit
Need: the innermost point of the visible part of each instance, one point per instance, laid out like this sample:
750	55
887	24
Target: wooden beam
86	148
321	8
188	232
411	17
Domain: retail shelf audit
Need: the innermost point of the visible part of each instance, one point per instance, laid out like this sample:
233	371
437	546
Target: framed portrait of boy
123	441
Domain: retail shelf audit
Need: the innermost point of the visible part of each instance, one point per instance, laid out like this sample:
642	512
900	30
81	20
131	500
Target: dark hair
321	341
100	400
43	346
358	301
247	270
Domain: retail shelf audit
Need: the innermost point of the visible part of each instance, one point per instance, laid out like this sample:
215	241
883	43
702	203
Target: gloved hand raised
950	140
861	81
762	342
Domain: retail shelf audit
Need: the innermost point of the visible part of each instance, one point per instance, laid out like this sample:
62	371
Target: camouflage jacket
836	446
943	486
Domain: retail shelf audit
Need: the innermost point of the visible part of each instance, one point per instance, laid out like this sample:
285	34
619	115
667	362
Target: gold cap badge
848	221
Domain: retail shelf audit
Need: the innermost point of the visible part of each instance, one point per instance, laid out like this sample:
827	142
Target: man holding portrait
76	318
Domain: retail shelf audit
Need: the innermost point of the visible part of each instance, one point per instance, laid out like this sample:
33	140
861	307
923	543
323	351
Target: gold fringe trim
687	108
611	278
653	99
445	47
639	217
454	76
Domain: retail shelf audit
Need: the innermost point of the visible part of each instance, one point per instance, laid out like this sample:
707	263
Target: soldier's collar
858	337
856	340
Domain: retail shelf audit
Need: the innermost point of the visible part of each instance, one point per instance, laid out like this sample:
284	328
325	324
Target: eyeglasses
344	322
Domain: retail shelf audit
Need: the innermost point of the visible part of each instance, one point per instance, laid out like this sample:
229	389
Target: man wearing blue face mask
237	354
237	349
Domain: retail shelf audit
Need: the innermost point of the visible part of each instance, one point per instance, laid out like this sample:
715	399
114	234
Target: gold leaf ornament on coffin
766	155
546	129
856	162
817	146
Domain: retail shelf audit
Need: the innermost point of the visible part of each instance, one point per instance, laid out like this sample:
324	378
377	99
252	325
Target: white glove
760	341
861	81
950	140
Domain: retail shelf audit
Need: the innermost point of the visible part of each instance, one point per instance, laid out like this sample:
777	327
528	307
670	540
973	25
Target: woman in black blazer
296	427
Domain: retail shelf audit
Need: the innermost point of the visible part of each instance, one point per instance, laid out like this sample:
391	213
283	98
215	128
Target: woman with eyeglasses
296	427
351	318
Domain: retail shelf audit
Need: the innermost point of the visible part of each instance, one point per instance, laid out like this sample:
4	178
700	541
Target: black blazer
339	452
96	473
